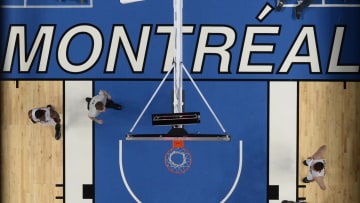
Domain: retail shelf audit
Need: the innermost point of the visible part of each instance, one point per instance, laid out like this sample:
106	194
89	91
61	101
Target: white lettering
307	34
334	66
97	44
137	61
249	48
169	56
17	35
212	40
222	50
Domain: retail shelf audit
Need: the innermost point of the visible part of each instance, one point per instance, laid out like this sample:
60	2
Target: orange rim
178	144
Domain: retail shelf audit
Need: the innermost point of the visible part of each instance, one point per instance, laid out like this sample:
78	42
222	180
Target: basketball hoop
178	158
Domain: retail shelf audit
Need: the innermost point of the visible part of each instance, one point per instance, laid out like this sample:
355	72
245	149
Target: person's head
40	114
100	106
318	166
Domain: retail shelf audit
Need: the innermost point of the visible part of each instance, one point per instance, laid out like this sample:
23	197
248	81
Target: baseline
78	142
283	119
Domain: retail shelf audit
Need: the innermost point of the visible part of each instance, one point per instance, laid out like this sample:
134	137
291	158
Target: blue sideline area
240	106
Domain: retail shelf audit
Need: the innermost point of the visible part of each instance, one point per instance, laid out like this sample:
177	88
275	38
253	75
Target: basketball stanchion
178	159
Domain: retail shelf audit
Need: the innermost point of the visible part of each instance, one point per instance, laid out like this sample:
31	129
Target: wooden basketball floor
31	159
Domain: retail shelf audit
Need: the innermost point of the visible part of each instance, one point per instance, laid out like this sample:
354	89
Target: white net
178	160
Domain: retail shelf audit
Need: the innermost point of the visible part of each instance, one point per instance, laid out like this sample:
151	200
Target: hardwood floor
31	159
330	114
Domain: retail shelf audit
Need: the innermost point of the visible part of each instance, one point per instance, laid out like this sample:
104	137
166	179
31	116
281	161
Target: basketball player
303	4
316	166
46	116
280	4
300	8
98	104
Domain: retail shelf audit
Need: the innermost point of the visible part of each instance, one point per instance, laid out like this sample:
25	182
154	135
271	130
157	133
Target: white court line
47	6
129	1
222	201
26	5
283	119
237	176
78	141
325	5
123	175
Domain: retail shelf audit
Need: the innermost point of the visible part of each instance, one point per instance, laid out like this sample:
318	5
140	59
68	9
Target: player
298	9
98	104
46	116
316	165
280	4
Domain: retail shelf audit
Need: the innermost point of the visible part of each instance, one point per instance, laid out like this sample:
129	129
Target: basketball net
178	159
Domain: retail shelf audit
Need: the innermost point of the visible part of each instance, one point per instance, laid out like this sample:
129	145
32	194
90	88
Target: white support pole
177	68
178	60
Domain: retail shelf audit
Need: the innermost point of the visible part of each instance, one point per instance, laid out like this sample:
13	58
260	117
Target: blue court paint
232	55
214	164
